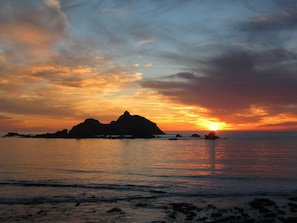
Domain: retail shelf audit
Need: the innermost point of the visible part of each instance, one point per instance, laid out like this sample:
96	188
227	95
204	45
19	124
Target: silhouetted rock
58	134
127	126
195	135
15	134
90	128
211	135
116	210
178	135
133	126
261	204
136	126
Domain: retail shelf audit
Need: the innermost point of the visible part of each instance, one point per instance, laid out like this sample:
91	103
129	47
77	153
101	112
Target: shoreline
248	208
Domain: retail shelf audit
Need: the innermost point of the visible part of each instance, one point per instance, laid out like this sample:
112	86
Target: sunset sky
186	65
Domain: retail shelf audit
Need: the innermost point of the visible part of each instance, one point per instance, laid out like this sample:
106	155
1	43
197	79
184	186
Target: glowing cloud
145	41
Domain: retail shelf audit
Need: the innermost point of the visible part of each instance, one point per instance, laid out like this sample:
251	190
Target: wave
207	175
120	187
158	189
77	199
54	192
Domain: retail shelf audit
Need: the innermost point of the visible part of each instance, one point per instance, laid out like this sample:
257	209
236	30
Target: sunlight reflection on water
147	162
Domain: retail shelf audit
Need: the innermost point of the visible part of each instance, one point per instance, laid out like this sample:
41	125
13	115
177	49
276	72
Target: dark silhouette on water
126	126
212	135
15	134
195	135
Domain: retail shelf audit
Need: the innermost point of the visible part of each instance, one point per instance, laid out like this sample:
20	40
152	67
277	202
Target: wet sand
161	209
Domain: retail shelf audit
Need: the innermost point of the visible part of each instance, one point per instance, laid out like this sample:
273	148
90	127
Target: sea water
58	180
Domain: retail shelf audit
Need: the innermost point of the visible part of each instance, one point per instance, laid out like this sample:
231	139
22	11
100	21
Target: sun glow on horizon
213	126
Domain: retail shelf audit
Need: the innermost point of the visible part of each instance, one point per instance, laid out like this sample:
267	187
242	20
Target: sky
185	65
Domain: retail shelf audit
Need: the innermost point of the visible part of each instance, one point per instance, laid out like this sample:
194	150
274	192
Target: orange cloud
145	41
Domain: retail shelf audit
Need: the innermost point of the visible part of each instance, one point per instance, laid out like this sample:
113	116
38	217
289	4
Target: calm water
98	173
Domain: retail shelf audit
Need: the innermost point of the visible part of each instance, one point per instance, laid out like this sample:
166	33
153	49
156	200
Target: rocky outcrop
126	126
58	134
212	135
136	126
90	128
15	134
195	135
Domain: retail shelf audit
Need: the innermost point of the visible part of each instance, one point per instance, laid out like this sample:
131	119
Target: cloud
34	106
247	77
32	25
285	20
7	123
287	125
62	90
277	28
237	83
29	33
47	71
148	65
54	3
145	41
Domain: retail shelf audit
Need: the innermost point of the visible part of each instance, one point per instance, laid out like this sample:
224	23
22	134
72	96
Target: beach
177	209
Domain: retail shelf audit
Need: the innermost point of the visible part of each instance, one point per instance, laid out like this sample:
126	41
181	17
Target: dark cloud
235	82
288	125
275	28
284	20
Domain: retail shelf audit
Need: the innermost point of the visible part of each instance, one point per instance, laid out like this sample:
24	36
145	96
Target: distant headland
126	126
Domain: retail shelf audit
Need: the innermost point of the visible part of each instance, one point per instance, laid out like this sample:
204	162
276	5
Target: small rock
28	216
39	212
210	206
280	212
261	203
140	205
190	215
240	210
202	219
116	210
270	215
172	215
293	207
195	135
183	207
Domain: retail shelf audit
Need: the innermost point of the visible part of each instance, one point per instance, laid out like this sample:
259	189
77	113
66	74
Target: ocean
145	180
